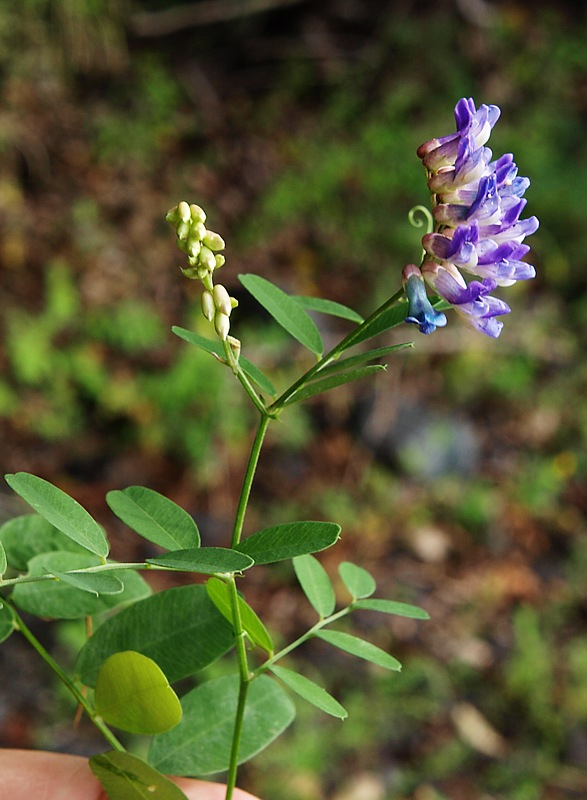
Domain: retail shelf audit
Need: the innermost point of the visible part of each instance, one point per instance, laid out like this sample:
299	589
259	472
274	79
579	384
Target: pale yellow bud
183	230
197	213
214	241
208	308
222	299
198	230
207	259
220	261
233	302
183	211
221	324
193	247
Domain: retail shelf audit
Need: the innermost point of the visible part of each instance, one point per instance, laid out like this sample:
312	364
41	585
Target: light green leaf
219	593
180	629
315	583
3	561
328	307
331	382
216	349
201	743
155	517
285	310
310	691
61	599
6	621
95	583
60	510
392	607
360	648
29	535
207	560
288	540
133	694
390	319
345	364
126	777
357	580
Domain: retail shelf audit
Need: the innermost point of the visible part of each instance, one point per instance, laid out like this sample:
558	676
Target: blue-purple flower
477	227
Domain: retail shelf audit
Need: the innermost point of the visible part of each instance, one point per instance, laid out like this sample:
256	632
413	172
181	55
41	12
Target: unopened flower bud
214	241
190	272
233	302
208	308
220	260
222	299
183	230
221	324
193	247
197	213
207	259
183	211
198	230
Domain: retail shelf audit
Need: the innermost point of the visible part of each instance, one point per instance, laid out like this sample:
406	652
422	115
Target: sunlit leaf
392	607
345	364
95	583
155	517
219	593
332	382
315	583
360	648
285	310
357	580
180	628
206	560
126	777
330	307
310	691
216	348
29	535
60	510
201	743
133	694
390	319
288	540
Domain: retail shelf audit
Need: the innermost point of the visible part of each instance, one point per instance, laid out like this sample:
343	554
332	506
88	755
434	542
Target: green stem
48	576
343	345
249	477
245	678
65	679
322	623
232	362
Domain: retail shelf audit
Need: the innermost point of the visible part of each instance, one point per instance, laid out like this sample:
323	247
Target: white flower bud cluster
201	247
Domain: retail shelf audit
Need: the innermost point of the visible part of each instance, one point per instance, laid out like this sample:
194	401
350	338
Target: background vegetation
458	476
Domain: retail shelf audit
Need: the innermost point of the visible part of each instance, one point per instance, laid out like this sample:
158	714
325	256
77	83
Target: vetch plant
55	563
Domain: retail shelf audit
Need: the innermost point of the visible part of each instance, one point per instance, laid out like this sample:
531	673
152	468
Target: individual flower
420	310
477	227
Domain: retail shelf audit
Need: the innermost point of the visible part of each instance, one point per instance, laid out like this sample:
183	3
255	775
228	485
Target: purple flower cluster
478	230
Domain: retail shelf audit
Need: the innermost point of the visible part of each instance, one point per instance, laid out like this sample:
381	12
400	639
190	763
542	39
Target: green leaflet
219	593
179	628
29	535
360	648
392	607
155	517
60	599
200	744
390	319
330	307
215	348
357	580
331	382
206	560
310	691
60	510
288	540
316	584
95	583
3	560
133	694
126	777
285	310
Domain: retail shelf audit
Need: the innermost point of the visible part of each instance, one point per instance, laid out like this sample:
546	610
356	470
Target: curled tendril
420	216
